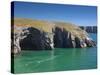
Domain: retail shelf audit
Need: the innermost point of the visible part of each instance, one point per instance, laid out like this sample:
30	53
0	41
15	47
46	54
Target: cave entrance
32	41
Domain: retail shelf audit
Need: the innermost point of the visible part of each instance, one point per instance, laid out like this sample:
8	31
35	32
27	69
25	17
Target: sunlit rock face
89	42
18	34
64	39
49	39
31	39
43	35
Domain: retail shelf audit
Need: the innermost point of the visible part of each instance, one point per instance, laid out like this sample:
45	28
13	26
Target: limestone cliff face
29	37
36	40
63	38
17	34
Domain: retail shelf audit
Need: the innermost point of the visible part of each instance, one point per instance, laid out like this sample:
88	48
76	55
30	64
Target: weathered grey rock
63	38
78	42
67	39
73	41
58	37
37	40
30	38
89	42
17	36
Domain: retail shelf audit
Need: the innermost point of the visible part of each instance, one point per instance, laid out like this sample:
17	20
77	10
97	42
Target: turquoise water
59	59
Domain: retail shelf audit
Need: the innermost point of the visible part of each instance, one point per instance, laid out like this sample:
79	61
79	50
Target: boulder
89	42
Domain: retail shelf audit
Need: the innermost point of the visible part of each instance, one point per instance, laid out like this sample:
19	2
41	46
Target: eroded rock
30	38
37	40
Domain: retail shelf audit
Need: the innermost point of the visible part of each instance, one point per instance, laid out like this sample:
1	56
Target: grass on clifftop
48	26
41	25
74	29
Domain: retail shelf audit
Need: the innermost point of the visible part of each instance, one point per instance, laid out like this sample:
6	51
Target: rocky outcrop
31	39
68	39
63	38
17	35
89	29
36	40
36	37
89	42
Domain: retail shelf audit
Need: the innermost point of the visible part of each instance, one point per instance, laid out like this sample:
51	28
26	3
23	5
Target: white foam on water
47	59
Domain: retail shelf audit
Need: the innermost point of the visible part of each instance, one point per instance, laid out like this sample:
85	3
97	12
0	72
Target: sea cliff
30	34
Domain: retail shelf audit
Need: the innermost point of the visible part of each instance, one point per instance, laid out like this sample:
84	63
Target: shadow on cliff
35	40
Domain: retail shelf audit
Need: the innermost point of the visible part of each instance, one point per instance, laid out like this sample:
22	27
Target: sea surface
59	59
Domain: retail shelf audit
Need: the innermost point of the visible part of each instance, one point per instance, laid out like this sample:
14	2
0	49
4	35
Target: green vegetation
41	25
48	26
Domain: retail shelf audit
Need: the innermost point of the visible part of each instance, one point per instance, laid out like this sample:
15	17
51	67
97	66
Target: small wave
47	59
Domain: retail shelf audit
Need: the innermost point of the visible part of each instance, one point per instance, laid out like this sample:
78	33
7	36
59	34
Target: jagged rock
73	41
39	37
37	40
31	39
89	42
17	36
78	43
58	37
68	39
63	38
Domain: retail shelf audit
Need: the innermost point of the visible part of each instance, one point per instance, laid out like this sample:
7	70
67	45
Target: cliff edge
30	34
